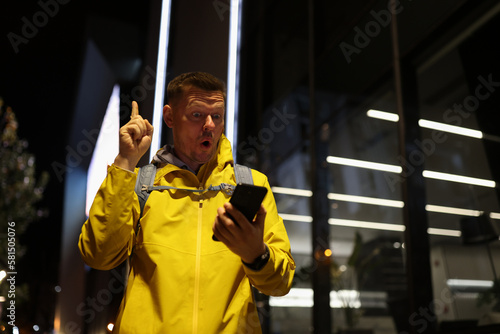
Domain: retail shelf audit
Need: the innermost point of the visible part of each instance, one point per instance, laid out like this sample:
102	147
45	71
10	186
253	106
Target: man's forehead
204	101
195	96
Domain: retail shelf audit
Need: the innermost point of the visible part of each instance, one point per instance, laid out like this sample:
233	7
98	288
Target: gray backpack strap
243	174
224	187
145	177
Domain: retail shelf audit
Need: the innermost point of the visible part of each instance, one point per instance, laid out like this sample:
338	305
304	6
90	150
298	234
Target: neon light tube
161	74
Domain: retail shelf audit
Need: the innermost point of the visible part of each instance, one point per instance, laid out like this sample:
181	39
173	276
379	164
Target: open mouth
206	143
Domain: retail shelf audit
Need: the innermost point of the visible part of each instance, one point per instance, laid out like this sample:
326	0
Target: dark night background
39	82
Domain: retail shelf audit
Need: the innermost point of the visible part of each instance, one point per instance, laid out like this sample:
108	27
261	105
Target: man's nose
209	123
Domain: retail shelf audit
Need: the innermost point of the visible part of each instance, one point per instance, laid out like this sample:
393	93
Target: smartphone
247	198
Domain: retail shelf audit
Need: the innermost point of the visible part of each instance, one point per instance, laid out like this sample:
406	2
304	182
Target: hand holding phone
247	198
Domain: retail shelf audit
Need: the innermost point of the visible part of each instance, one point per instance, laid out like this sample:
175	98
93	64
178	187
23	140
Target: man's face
197	122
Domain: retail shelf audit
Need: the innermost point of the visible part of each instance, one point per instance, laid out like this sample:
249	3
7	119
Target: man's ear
168	116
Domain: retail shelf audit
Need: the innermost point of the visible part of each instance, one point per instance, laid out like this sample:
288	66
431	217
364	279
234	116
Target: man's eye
196	114
216	116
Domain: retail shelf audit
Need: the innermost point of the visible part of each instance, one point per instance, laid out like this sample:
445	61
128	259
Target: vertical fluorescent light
161	73
106	147
233	74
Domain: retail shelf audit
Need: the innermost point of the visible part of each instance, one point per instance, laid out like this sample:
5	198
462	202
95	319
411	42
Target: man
181	280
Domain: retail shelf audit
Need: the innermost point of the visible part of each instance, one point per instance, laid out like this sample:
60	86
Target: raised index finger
135	109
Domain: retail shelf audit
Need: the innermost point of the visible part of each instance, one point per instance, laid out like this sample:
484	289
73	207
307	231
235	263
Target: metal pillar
421	318
322	322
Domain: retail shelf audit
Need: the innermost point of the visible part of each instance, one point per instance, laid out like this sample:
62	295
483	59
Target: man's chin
205	157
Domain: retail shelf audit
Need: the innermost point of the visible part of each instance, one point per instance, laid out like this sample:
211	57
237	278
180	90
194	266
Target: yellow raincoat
181	281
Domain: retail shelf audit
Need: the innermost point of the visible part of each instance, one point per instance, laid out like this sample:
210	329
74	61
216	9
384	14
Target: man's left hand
244	238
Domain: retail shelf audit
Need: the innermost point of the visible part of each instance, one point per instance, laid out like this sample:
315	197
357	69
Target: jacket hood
219	161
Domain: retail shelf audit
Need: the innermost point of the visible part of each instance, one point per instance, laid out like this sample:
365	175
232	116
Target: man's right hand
135	139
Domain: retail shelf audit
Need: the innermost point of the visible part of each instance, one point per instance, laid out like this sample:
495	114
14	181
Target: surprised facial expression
197	122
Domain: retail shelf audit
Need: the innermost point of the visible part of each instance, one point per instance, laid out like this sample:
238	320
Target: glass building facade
378	120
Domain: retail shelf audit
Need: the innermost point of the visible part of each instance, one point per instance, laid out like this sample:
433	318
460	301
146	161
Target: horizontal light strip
468	283
296	218
450	128
292	191
444	232
300	297
392	117
386	116
364	164
374	201
453	211
398	170
369	225
343	298
345	222
297	297
495	215
366	200
458	178
365	224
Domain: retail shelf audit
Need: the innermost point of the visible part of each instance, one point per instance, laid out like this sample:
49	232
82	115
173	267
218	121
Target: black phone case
247	198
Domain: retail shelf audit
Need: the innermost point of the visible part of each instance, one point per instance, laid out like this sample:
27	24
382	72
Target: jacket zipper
197	268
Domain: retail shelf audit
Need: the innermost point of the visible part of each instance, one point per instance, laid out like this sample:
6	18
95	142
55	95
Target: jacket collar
166	156
223	156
